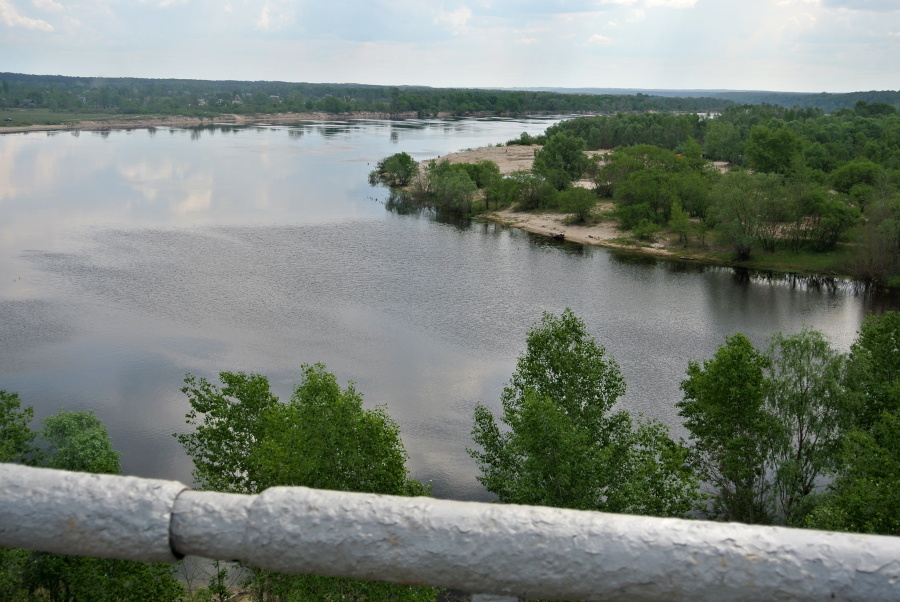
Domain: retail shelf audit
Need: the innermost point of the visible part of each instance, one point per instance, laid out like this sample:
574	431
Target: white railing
500	551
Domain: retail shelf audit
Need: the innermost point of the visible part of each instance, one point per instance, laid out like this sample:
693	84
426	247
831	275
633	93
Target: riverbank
121	122
604	230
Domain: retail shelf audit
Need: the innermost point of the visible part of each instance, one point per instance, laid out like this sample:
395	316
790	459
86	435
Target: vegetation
799	182
796	434
564	447
803	189
767	428
244	441
394	171
70	441
53	98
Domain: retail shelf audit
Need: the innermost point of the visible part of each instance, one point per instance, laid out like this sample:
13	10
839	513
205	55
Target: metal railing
500	551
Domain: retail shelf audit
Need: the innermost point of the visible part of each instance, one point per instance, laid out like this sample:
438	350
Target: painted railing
502	552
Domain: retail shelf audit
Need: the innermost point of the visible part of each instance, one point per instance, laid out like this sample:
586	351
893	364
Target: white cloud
11	17
600	40
271	19
456	20
164	3
49	5
672	3
869	5
264	20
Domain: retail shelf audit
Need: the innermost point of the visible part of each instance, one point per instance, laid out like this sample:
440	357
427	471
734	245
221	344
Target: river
130	258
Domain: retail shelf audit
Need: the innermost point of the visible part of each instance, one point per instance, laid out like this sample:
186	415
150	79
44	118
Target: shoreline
508	158
180	121
605	233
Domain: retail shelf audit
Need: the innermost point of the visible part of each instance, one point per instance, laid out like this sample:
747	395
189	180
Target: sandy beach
605	233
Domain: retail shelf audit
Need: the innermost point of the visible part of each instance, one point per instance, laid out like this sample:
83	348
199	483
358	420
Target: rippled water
128	259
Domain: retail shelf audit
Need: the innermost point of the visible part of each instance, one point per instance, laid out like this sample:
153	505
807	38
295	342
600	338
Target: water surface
130	258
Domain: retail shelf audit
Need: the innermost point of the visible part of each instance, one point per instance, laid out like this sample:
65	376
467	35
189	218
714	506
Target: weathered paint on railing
502	551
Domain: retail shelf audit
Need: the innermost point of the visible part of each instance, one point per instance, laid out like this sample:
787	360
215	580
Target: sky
782	45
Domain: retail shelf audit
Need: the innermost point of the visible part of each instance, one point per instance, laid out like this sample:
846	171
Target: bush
396	170
577	201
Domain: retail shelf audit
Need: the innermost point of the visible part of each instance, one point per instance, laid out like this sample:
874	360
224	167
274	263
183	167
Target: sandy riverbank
177	121
605	233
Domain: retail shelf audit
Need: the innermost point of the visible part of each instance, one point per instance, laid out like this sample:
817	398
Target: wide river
130	258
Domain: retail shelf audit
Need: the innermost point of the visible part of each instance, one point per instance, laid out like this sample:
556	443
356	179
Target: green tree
722	141
395	171
561	160
577	201
324	438
731	431
563	447
227	424
743	205
805	392
483	173
74	441
874	368
78	441
878	259
771	151
679	222
16	436
244	441
865	495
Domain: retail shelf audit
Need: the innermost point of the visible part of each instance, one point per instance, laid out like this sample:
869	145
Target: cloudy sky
789	45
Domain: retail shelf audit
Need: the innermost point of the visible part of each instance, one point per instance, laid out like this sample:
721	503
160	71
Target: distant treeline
865	131
826	101
203	98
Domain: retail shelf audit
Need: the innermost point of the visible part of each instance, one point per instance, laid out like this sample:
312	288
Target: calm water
128	259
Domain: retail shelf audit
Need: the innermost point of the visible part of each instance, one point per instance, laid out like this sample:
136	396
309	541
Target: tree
722	141
394	171
865	496
731	431
16	436
740	200
577	201
245	441
679	222
874	368
771	151
563	447
561	160
805	392
73	441
227	424
452	188
78	441
324	438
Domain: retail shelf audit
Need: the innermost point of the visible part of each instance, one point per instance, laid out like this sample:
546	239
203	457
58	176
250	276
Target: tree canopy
563	446
244	440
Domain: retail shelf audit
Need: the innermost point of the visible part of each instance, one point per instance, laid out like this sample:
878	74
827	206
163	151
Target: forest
198	98
99	96
795	434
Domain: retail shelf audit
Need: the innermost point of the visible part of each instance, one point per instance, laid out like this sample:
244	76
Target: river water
130	258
